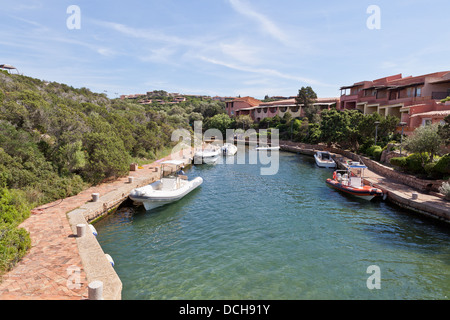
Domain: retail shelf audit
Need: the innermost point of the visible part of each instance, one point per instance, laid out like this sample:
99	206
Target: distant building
258	110
8	67
242	106
414	100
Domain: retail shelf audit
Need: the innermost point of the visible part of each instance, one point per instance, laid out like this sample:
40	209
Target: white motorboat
324	160
209	155
166	190
266	147
229	149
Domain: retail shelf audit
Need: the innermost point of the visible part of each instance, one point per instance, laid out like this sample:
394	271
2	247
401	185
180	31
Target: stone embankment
404	190
64	263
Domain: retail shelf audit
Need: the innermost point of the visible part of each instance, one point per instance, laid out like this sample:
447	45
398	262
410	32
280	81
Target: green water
242	235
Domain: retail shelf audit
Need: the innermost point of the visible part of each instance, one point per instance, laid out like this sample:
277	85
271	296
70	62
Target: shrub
443	165
399	162
429	169
14	243
377	153
415	163
371	149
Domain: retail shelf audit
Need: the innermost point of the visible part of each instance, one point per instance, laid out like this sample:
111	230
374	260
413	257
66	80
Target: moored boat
166	190
229	149
350	181
209	155
267	147
324	160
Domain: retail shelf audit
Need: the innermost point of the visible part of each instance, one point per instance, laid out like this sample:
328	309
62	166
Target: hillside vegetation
56	140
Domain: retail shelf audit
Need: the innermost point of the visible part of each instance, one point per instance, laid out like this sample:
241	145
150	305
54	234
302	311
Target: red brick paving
47	271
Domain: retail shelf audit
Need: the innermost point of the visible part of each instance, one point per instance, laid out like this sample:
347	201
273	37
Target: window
418	91
426	121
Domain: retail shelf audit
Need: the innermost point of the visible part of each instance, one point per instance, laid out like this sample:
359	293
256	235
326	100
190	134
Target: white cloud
264	22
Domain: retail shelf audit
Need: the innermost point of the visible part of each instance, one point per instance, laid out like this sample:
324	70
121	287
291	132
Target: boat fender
334	175
110	259
94	231
384	196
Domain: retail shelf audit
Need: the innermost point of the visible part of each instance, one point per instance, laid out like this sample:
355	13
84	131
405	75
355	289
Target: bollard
415	195
81	230
95	197
130	179
95	290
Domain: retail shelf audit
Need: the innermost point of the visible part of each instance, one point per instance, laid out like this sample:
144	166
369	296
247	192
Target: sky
223	47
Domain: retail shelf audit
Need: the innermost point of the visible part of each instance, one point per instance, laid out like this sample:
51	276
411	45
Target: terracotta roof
251	101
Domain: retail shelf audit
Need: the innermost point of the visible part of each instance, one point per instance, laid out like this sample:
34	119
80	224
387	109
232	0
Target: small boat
209	155
350	181
324	160
229	149
166	190
267	147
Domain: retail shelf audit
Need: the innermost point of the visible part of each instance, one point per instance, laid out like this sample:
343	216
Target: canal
243	235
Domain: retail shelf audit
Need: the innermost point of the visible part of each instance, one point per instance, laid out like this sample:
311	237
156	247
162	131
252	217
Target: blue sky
223	47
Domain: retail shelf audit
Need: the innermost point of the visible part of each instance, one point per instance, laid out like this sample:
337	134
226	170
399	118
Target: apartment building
258	110
414	100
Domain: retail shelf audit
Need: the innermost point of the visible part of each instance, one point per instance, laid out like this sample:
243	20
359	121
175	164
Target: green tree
220	122
243	122
107	157
305	99
425	139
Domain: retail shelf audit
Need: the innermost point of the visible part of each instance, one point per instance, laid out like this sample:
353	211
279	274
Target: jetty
65	261
406	191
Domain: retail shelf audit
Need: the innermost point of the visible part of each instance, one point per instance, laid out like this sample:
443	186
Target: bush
377	153
14	243
443	165
399	162
415	163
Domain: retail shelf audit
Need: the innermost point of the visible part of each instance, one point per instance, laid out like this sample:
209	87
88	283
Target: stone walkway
52	269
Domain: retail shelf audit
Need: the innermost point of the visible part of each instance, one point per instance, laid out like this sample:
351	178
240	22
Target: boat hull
324	164
365	192
229	149
158	198
267	148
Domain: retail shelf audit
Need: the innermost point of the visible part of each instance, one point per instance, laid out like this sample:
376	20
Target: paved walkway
52	269
433	204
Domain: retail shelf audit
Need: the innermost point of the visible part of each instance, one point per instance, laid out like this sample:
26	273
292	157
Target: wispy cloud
264	22
263	71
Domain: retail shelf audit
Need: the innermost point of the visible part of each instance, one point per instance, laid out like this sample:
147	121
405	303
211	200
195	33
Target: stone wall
388	172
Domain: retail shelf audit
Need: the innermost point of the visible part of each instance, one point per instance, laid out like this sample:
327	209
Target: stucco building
414	100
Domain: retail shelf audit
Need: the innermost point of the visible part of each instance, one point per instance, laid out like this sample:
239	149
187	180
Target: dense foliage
55	140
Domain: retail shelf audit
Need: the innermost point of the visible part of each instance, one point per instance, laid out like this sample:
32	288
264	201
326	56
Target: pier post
81	230
95	290
415	196
130	179
95	197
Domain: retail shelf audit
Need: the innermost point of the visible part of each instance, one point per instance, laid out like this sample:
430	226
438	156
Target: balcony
439	95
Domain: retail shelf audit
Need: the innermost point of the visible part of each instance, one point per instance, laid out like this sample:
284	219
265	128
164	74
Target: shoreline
43	273
60	265
398	187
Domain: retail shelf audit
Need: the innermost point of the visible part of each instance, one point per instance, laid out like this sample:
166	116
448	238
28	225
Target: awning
441	113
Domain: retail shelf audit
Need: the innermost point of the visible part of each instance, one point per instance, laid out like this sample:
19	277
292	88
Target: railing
439	95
